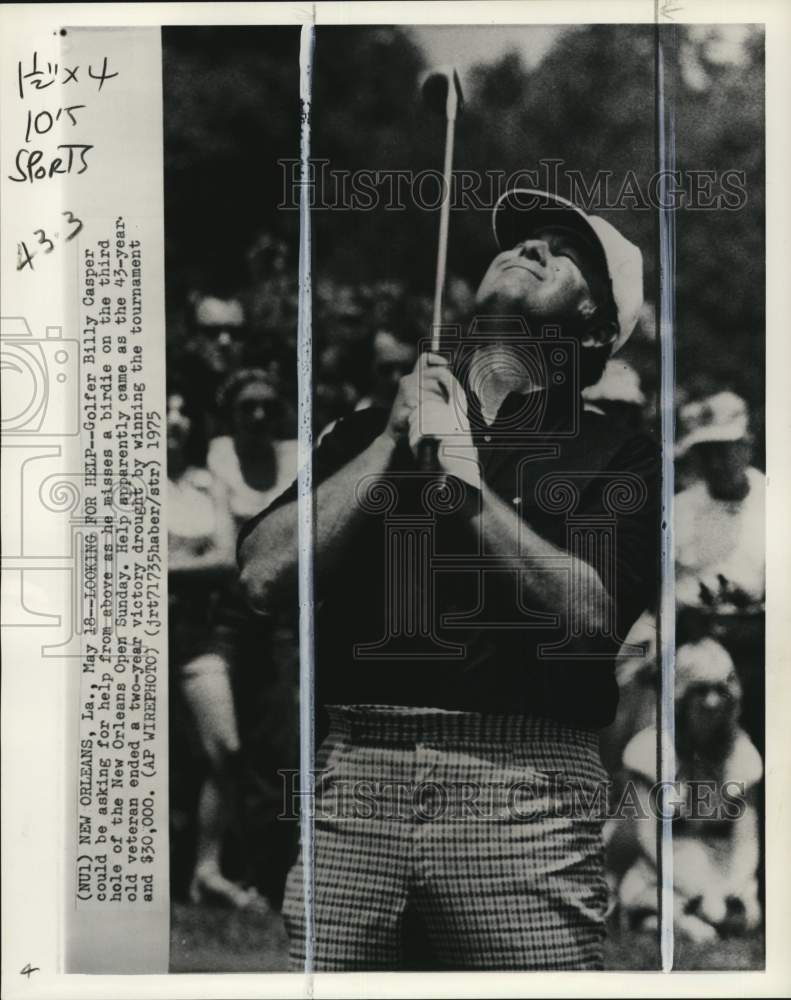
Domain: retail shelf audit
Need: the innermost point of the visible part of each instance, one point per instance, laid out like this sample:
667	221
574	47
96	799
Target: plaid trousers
475	824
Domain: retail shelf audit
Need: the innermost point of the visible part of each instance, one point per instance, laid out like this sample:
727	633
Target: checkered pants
476	824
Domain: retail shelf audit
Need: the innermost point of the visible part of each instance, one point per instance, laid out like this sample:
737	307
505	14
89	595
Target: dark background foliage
231	113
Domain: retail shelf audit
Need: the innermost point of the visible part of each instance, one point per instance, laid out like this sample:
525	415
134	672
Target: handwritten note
40	156
40	164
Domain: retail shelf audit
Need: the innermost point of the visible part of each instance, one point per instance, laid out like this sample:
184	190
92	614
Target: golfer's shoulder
351	434
622	448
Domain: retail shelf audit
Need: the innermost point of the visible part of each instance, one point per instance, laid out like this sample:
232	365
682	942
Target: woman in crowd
254	463
201	561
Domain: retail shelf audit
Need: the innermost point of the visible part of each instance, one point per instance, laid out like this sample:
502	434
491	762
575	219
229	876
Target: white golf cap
722	417
521	211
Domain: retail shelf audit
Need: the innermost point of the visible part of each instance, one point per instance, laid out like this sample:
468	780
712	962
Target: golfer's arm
268	556
209	566
546	587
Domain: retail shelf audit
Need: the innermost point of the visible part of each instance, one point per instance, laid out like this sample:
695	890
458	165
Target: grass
209	939
631	951
206	939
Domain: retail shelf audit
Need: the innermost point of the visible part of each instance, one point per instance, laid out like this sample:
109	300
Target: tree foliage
232	113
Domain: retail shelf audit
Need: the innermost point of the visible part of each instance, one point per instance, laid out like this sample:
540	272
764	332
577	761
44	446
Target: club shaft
428	448
444	223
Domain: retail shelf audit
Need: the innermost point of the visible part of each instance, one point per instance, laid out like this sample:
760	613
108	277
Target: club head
437	93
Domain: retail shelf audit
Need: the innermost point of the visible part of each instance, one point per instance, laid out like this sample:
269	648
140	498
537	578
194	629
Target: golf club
441	92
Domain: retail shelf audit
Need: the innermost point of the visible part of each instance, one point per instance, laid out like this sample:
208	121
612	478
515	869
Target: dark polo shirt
415	614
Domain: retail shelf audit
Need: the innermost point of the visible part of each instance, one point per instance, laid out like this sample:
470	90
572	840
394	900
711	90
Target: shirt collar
535	410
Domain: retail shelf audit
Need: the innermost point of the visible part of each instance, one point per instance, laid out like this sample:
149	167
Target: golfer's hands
431	403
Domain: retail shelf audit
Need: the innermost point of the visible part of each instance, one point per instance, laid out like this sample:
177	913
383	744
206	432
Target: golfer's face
540	277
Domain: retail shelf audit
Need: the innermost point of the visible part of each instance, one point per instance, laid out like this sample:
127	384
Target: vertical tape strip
667	42
305	496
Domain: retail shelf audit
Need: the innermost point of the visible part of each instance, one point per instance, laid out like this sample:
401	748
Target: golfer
460	751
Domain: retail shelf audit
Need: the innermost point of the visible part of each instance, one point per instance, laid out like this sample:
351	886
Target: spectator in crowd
200	540
719	520
271	306
619	396
391	358
637	677
715	831
334	393
253	464
200	559
268	260
217	341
